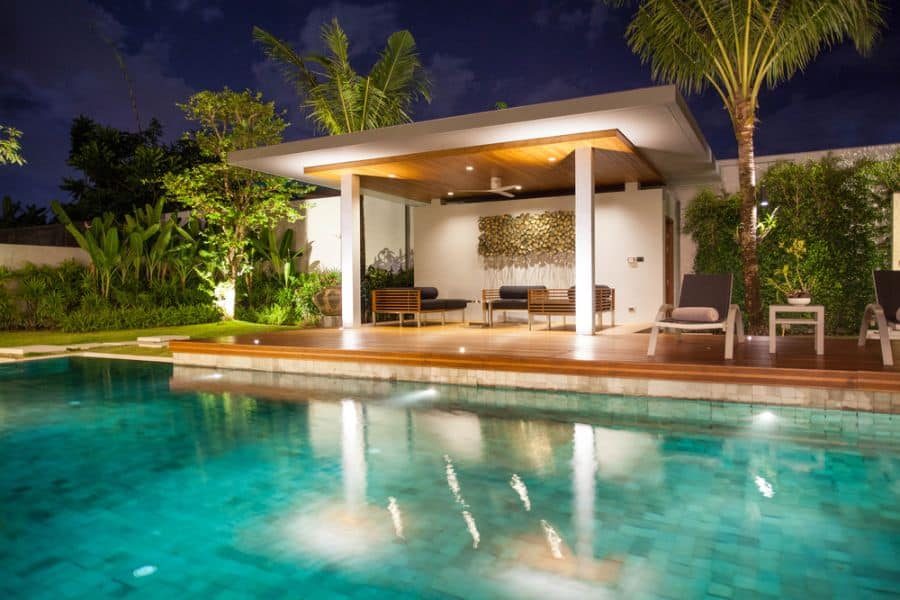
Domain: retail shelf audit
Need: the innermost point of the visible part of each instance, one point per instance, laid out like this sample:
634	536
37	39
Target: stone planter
328	301
801	301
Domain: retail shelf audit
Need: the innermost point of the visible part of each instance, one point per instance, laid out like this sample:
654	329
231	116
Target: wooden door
670	261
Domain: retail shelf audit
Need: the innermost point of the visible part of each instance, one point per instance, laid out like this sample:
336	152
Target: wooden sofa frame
402	302
561	302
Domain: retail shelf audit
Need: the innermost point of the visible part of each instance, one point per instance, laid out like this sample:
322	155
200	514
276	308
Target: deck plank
689	357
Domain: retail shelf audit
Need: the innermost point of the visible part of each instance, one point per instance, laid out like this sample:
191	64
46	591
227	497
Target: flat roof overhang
646	135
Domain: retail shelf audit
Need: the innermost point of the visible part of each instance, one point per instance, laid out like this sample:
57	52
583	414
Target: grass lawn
205	330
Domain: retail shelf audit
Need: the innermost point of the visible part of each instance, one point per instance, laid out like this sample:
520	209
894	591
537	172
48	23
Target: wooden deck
695	357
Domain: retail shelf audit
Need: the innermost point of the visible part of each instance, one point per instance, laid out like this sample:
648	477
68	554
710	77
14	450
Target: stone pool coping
585	378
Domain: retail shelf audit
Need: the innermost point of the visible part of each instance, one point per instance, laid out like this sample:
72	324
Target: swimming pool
119	479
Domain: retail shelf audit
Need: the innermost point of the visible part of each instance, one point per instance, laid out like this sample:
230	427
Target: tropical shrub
840	209
140	317
378	278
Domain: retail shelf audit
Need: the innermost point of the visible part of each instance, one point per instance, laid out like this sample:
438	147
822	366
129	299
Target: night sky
54	66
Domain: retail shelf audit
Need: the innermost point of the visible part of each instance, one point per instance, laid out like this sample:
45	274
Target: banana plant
100	240
278	253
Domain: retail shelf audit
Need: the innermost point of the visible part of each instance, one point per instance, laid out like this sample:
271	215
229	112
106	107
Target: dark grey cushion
707	290
444	304
454	303
887	292
433	304
510	304
428	293
518	292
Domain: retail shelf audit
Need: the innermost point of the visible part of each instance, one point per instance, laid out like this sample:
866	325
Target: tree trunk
744	120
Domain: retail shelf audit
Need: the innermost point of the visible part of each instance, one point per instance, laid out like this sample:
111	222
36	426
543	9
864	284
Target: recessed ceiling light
470	168
449	193
551	159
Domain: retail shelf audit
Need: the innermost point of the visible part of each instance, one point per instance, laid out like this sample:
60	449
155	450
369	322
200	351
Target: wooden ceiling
541	166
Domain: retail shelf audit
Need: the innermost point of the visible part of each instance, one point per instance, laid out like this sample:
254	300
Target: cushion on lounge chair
706	291
695	314
518	292
897	316
887	292
428	293
510	304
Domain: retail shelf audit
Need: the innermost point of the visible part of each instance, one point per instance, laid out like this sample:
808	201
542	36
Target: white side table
817	321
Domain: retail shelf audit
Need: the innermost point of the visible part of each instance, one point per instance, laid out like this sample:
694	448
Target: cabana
610	168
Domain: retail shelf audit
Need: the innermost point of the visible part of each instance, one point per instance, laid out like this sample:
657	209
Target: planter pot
799	301
328	301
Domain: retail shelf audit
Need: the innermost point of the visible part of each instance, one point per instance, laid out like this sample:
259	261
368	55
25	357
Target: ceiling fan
497	187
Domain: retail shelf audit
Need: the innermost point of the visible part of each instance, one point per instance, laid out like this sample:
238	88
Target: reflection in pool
124	478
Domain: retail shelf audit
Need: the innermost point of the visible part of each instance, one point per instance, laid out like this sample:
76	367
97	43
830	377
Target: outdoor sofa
505	298
414	301
704	304
885	312
561	302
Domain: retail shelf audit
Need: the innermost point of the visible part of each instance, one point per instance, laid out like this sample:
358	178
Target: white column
350	301
584	489
584	240
353	453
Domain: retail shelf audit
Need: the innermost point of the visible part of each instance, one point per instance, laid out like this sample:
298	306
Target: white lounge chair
704	304
885	312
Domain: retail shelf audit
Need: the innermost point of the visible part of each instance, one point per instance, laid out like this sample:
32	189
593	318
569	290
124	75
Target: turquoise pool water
122	479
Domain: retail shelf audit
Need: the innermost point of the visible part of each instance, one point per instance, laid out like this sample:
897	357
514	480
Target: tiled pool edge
777	395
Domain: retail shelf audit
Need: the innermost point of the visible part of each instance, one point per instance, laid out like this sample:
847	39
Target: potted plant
790	279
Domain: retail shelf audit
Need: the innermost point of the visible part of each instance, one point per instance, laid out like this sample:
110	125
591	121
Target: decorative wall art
536	247
527	239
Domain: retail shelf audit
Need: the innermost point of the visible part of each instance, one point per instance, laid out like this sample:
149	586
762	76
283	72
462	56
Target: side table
817	321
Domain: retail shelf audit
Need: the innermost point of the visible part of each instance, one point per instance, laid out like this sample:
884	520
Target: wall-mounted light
551	159
449	193
518	187
470	168
392	176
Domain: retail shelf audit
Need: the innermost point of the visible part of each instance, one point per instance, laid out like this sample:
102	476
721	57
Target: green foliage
737	46
841	211
278	257
10	147
120	169
712	220
340	100
234	202
274	302
790	279
377	278
109	318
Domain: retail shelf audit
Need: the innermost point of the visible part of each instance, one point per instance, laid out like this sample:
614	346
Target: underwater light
144	571
766	417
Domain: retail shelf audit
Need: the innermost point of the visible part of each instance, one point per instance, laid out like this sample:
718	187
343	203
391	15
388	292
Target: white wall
384	222
627	224
16	256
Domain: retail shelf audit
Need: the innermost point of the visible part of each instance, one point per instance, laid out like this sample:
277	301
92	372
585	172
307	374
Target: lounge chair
885	312
704	304
414	301
505	298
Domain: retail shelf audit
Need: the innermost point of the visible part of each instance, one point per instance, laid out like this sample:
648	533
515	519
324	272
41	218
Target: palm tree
340	100
734	47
